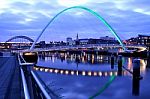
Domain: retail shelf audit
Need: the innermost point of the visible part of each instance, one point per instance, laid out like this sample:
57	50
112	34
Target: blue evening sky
28	17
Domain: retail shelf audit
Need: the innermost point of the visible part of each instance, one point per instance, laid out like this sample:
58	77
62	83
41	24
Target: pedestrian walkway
10	79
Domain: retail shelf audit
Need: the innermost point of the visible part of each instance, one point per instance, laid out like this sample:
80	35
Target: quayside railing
32	85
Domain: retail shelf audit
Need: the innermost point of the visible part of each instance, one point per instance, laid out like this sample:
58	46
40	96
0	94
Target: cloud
125	16
70	3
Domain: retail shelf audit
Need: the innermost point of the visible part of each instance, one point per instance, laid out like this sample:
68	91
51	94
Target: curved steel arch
88	10
16	37
102	20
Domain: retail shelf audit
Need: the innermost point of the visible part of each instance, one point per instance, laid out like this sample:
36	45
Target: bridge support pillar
112	61
136	77
148	59
120	65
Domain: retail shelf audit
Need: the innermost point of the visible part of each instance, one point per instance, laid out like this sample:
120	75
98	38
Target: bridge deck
10	80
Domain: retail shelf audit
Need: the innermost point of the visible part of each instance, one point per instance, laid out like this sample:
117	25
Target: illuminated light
93	58
130	63
29	53
110	73
36	68
51	70
89	73
61	71
41	69
56	71
124	73
143	66
77	73
84	53
100	73
101	57
116	73
66	72
83	73
142	49
83	59
72	72
95	73
46	70
65	56
105	74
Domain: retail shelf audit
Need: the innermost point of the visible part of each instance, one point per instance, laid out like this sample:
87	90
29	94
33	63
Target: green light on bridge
88	10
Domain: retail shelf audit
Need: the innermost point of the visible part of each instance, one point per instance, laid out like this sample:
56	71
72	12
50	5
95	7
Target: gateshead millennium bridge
19	69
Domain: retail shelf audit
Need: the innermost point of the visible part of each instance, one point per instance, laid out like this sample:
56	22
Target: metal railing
25	88
27	73
44	92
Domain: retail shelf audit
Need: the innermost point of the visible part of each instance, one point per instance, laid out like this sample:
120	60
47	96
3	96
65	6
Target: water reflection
130	63
87	62
84	74
84	58
142	65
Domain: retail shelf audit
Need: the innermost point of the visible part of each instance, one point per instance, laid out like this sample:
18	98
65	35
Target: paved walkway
10	79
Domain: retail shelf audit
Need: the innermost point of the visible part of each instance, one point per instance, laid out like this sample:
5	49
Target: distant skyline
127	17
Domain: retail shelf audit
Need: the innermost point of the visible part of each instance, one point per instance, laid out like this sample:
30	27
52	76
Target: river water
83	76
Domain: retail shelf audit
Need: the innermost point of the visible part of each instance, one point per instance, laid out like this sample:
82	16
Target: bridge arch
102	20
18	37
88	10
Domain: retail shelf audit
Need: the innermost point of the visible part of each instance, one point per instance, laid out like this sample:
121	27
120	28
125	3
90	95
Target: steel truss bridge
19	42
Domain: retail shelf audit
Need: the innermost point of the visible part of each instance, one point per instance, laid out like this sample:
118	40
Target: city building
132	41
102	40
97	41
107	38
83	41
144	40
42	44
77	42
69	41
140	40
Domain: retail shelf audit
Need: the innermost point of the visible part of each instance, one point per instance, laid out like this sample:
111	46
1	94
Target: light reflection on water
82	87
88	62
143	64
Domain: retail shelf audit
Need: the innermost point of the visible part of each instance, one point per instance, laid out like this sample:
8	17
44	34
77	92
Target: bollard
112	61
136	77
120	65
